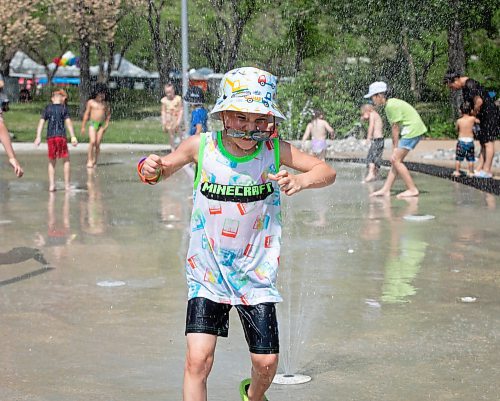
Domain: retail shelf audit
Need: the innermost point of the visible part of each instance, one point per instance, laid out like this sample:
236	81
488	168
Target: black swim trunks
259	322
375	152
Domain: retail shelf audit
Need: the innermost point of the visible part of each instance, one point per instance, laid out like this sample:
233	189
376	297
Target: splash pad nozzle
291	379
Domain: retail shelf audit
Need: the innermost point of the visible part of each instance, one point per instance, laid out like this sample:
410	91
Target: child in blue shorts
235	230
465	125
407	130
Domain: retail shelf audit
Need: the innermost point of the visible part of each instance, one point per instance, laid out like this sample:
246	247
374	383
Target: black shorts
259	322
375	152
465	150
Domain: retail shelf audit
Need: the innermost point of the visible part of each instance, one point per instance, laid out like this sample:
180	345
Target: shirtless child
319	130
375	137
465	126
98	114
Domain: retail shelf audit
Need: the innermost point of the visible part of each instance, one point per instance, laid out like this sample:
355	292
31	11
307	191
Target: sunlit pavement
378	305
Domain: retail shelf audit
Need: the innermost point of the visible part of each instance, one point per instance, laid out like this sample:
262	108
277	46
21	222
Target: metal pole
185	63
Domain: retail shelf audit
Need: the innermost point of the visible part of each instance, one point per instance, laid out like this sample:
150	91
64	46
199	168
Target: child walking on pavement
465	126
234	248
57	116
98	114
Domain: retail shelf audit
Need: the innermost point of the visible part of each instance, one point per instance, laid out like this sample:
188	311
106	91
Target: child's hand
82	131
74	141
37	142
151	165
17	167
289	183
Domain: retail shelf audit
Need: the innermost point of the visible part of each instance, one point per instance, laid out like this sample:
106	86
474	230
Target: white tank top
235	239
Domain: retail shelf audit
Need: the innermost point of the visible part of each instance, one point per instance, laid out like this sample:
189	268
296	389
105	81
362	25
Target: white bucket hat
376	87
249	90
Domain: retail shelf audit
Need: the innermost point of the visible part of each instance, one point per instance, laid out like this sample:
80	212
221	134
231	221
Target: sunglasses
256	135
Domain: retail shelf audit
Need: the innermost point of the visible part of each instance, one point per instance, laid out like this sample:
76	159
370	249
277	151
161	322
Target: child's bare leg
171	139
263	370
456	173
371	173
90	151
98	141
403	172
322	155
199	360
386	189
471	169
52	175
67	174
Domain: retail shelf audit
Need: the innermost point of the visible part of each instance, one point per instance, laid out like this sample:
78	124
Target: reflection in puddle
401	270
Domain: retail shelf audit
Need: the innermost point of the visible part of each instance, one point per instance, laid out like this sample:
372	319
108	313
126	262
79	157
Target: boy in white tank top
235	239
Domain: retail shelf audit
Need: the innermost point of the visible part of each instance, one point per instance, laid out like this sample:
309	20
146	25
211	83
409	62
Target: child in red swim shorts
58	118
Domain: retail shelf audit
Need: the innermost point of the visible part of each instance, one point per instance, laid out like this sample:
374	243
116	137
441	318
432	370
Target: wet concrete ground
376	307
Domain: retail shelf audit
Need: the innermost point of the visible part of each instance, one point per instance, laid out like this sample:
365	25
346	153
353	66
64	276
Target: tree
59	41
19	25
302	18
165	35
222	31
94	21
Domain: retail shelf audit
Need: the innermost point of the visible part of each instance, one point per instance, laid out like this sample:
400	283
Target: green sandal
244	388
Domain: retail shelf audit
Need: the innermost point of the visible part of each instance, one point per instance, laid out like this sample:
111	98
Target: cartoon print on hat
249	90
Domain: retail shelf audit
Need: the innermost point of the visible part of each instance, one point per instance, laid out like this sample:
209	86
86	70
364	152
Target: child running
375	137
98	114
235	239
319	129
465	126
57	116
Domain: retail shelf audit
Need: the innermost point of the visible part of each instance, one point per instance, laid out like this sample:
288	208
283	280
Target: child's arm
7	144
186	153
86	116
163	114
180	115
314	172
395	135
39	130
69	124
307	133
371	127
330	130
108	117
199	128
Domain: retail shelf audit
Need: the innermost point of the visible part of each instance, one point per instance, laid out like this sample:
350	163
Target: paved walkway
417	159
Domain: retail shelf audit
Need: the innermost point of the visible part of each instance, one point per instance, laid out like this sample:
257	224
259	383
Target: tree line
408	43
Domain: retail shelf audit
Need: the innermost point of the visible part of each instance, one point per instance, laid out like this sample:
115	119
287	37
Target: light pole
185	63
